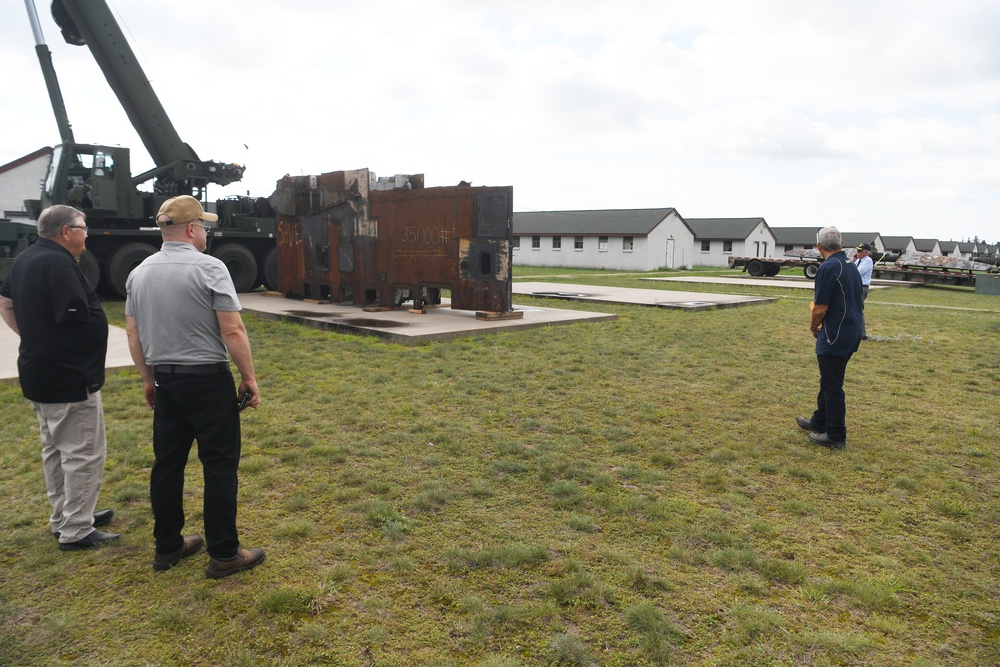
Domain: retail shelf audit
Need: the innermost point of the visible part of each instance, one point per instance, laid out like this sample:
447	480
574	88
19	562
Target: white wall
759	243
22	182
648	252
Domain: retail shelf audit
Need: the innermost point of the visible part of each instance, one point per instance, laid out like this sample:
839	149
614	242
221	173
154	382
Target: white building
625	239
718	239
22	179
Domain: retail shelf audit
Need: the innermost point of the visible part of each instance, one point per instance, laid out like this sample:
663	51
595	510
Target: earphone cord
840	327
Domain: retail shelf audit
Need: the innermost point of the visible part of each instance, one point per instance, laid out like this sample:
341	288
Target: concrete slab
643	297
792	283
118	355
402	326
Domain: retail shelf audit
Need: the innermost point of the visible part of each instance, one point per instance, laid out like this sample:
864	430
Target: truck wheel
810	271
268	276
755	268
123	261
90	268
241	264
772	269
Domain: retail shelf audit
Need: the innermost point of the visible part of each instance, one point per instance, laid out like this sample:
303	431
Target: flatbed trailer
771	266
925	275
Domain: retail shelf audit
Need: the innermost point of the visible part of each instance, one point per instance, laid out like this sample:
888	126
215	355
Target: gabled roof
966	247
896	242
924	245
726	229
795	235
30	157
611	222
854	239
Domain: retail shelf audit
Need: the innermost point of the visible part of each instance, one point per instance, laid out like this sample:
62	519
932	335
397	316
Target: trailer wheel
241	264
123	261
772	269
90	267
810	271
755	268
268	276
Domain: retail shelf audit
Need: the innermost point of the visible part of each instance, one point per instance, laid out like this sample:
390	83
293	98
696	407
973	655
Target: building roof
795	235
853	239
612	222
924	245
896	242
726	229
30	157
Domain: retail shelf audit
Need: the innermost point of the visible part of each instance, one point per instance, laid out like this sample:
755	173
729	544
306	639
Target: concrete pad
118	355
642	297
402	326
792	283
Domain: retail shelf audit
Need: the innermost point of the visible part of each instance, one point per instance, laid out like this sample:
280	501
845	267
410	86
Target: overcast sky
872	115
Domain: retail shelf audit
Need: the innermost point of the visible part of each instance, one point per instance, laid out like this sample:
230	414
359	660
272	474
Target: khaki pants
73	451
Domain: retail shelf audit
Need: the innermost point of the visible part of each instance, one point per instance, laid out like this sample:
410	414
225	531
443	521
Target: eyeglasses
207	228
83	227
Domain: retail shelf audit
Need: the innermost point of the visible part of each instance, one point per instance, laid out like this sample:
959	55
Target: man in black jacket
52	306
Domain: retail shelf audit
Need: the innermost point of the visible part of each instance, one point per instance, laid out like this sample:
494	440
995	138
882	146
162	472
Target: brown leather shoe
245	559
192	543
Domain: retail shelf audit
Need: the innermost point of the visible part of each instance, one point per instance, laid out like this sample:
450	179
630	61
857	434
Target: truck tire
810	271
268	276
90	267
772	269
241	264
755	268
123	261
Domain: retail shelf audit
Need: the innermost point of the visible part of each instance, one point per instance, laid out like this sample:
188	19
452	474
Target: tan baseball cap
182	210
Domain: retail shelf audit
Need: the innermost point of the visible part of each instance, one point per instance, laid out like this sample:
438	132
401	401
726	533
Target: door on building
669	263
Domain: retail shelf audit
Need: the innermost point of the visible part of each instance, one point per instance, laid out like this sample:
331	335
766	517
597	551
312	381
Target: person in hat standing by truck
182	317
863	260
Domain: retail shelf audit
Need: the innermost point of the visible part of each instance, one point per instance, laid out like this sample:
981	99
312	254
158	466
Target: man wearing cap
52	306
863	260
182	317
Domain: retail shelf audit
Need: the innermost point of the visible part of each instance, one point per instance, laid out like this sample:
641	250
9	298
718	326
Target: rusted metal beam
345	239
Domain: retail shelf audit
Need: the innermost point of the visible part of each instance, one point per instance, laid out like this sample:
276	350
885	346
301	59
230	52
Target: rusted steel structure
345	238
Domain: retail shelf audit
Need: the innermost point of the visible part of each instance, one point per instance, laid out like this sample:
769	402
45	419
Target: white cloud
804	113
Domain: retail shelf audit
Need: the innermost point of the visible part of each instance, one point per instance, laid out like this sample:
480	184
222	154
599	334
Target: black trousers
831	404
202	408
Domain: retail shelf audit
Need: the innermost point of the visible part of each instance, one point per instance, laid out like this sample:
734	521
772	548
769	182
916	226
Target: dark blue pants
202	408
831	405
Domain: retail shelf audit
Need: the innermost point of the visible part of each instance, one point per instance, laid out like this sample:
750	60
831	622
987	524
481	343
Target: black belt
198	369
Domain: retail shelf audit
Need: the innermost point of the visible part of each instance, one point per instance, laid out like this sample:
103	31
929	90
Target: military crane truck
97	179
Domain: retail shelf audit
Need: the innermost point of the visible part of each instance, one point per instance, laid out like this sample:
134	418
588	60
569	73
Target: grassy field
633	492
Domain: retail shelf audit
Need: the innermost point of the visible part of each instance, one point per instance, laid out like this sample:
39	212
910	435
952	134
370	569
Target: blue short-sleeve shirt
838	287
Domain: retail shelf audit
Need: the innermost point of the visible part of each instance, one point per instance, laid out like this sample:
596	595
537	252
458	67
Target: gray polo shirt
173	296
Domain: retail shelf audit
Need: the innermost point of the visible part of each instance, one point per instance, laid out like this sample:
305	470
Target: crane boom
91	23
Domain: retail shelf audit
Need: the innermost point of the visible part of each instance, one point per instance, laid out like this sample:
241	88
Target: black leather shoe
101	518
92	541
805	423
191	545
824	440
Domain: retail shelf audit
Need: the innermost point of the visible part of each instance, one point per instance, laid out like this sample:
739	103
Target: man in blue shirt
863	260
836	325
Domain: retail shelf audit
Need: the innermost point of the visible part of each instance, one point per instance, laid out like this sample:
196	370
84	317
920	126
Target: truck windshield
50	178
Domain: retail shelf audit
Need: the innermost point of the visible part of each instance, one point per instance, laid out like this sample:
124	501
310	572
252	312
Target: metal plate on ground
693	301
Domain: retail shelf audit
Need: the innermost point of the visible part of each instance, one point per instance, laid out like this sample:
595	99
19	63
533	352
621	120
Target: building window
789	248
627	243
556	242
516	242
536	242
577	243
727	246
602	243
706	246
